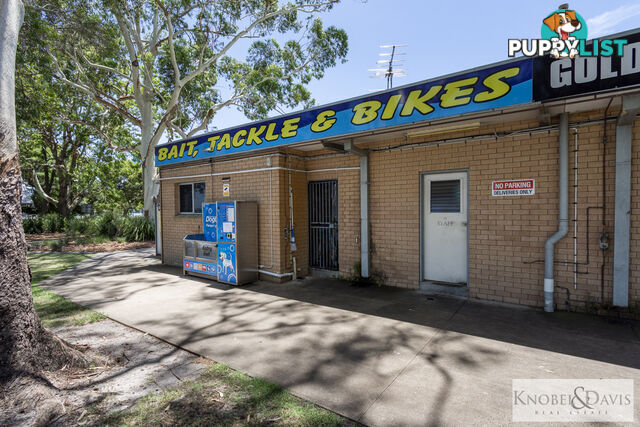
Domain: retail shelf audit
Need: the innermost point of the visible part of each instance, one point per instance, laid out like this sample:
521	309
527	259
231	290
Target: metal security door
323	224
445	227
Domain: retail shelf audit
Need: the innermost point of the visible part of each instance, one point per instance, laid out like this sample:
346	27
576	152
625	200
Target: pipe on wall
563	217
621	250
364	205
279	275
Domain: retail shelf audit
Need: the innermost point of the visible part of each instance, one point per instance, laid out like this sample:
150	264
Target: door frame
315	271
422	218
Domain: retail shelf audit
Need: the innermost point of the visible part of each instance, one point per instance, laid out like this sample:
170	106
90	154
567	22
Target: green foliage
97	229
120	186
57	245
32	225
52	223
77	225
64	135
136	229
105	225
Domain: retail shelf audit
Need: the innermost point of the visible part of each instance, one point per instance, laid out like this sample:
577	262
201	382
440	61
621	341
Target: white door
445	227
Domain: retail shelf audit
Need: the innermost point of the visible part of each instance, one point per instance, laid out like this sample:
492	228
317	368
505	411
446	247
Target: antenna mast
391	64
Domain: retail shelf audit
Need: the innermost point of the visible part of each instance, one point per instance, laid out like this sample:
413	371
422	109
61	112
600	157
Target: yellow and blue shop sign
476	90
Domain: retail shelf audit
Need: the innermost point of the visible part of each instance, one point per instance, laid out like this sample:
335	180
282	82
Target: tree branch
133	56
170	42
81	194
100	131
39	189
203	125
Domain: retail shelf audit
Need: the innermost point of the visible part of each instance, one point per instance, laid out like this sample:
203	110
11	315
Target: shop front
515	182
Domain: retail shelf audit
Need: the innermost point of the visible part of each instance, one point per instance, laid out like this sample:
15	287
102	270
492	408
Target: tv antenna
389	64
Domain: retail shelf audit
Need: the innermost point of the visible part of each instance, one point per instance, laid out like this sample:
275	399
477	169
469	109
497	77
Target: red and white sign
514	187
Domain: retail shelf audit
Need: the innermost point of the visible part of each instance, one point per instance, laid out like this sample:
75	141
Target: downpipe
563	219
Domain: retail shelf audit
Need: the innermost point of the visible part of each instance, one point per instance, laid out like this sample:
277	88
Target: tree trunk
148	185
26	347
63	194
147	154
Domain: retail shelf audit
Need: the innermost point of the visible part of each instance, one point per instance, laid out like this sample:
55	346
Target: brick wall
244	186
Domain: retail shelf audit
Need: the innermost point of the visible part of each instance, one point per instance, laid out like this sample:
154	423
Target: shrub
104	225
77	225
136	229
32	225
52	223
57	245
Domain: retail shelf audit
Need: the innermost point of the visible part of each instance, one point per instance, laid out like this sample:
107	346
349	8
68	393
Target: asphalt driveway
377	355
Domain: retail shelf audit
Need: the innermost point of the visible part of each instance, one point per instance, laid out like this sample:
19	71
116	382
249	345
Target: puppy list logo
564	34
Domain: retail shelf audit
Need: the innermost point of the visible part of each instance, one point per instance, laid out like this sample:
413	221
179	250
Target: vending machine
227	250
237	224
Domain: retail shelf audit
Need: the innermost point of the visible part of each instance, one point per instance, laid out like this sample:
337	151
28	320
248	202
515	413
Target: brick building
452	185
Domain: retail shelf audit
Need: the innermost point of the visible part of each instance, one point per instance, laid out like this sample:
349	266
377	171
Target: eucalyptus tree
167	67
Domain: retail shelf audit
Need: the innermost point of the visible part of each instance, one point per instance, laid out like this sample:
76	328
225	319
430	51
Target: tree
158	64
26	347
120	183
61	131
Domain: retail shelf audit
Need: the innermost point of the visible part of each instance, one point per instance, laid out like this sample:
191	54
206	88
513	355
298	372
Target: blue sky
443	37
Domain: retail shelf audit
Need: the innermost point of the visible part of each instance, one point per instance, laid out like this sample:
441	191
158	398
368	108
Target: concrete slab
382	356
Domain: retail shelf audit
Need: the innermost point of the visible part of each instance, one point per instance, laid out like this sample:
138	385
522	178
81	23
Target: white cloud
606	22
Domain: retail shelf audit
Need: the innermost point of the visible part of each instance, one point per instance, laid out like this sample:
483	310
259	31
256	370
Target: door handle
464	223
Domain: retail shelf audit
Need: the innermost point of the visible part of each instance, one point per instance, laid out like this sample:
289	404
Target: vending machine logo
564	34
210	220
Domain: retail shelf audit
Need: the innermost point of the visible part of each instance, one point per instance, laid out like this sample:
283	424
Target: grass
53	309
223	396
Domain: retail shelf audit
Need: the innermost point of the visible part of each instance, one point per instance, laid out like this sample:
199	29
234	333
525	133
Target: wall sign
514	187
519	81
226	189
565	77
480	89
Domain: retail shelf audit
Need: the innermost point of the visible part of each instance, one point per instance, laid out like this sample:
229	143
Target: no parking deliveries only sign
514	187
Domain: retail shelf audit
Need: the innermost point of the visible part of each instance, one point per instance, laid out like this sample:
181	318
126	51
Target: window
191	197
445	196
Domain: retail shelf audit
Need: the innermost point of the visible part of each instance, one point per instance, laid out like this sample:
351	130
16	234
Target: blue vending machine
237	227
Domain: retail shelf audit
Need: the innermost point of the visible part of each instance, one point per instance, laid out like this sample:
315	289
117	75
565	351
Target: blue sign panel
227	222
495	86
210	221
201	267
227	263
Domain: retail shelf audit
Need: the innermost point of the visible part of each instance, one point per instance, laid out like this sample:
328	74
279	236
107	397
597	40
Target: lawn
53	309
223	396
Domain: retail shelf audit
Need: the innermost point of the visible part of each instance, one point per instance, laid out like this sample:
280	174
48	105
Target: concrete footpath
377	355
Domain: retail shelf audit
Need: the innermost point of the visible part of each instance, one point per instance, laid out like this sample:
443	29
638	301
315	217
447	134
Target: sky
443	37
